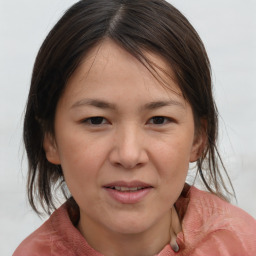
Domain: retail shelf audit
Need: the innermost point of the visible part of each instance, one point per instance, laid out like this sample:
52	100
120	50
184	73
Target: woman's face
124	142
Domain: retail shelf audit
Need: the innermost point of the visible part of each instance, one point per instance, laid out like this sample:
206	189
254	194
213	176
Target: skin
127	144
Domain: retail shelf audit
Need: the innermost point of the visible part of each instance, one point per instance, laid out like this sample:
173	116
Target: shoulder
213	207
217	224
38	241
47	239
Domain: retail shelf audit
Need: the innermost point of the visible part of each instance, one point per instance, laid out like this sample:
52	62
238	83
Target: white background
228	29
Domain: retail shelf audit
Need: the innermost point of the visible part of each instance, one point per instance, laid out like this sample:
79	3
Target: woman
120	103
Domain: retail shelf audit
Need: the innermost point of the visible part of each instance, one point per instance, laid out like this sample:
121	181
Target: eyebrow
95	103
106	105
159	104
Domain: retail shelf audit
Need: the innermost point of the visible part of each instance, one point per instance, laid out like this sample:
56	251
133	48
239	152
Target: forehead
108	65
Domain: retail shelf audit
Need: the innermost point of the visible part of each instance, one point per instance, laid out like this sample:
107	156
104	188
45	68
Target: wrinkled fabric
210	227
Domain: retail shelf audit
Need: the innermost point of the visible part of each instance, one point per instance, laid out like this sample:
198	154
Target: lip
128	184
130	197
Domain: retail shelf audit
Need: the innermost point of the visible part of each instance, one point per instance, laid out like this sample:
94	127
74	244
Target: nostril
128	155
127	166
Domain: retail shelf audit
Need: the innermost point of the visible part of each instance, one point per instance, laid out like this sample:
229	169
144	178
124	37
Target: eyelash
98	120
165	120
90	120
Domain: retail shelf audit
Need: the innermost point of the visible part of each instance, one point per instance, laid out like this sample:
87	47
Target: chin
131	229
131	224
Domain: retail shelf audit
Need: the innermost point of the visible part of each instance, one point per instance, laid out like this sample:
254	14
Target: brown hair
137	26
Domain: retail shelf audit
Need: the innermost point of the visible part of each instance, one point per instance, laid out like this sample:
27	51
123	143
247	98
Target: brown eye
97	120
158	120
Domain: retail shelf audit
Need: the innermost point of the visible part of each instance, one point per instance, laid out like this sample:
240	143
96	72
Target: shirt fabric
210	227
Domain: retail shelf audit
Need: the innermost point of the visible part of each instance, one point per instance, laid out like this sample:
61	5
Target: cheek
173	173
171	158
81	160
77	148
172	153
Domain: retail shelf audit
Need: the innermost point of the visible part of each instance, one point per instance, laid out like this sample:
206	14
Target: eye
159	120
96	120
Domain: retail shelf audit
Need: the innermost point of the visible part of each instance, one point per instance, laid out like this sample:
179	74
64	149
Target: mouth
128	192
123	186
126	189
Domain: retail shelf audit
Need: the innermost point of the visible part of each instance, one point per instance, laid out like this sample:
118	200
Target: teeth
127	189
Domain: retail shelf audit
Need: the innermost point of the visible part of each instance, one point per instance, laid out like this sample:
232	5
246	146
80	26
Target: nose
128	149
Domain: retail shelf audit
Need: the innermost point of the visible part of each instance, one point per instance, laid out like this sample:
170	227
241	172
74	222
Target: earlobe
197	150
50	149
199	144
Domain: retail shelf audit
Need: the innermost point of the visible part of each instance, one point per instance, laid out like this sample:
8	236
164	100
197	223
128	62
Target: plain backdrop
228	29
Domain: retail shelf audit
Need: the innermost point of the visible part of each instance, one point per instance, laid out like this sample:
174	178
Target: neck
147	243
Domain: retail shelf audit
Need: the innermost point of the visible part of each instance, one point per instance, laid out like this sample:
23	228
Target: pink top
211	227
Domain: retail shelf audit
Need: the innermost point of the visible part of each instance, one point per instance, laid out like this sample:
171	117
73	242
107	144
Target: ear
199	143
50	149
